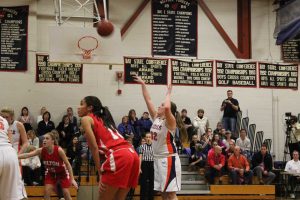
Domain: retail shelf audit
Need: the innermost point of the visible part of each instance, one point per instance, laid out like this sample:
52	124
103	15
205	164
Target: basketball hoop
87	44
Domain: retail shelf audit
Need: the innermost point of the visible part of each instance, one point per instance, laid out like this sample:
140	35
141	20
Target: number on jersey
115	135
154	136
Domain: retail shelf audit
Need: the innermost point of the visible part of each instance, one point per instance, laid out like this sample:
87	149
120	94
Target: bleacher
193	183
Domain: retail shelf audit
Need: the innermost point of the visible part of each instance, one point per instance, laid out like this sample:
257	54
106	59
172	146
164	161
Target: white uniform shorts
167	174
11	185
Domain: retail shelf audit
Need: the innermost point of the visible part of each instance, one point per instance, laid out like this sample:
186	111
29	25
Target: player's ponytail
100	111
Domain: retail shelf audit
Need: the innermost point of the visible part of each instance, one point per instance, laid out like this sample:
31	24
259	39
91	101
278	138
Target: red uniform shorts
121	169
53	179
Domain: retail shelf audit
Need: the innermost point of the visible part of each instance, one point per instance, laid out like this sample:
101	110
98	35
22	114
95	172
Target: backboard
63	46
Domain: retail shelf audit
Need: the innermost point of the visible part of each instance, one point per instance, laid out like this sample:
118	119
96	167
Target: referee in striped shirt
147	169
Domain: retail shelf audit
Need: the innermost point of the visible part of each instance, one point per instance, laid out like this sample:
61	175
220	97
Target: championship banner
192	73
13	34
232	74
53	72
174	28
278	76
151	70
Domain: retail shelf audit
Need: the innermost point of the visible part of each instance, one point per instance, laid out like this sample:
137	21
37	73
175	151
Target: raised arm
68	165
146	96
30	154
86	123
170	119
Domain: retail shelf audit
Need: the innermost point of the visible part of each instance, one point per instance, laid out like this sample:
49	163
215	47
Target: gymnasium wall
265	107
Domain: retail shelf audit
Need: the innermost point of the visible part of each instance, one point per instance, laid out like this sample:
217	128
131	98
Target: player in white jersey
9	166
19	141
167	167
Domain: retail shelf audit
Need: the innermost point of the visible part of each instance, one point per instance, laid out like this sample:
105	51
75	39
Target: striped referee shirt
146	151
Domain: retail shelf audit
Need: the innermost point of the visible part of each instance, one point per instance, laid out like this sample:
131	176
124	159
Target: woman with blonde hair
58	168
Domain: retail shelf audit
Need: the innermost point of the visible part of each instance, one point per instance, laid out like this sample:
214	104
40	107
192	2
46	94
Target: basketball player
58	168
9	166
167	167
19	141
120	170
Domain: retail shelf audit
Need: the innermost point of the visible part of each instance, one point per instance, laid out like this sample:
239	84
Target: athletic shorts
11	184
121	169
167	174
64	180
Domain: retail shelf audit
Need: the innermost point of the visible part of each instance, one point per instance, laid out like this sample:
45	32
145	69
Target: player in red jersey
58	168
120	170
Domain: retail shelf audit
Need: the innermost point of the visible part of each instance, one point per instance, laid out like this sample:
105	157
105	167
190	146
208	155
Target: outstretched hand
138	79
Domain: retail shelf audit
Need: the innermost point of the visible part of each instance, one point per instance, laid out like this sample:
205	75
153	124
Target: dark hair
24	108
63	118
184	110
129	114
47	112
229	90
100	111
243	130
264	145
200	110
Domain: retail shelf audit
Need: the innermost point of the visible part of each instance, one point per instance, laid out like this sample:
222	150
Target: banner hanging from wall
174	28
13	34
278	76
53	72
192	73
151	70
232	74
290	50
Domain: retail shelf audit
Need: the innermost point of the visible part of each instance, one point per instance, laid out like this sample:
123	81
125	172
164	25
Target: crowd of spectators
218	152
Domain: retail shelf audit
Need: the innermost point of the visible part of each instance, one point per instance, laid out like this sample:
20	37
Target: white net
87	44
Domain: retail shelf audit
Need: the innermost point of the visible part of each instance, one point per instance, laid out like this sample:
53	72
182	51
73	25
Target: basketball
105	28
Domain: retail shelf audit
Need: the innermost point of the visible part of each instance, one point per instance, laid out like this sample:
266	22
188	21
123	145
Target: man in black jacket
262	165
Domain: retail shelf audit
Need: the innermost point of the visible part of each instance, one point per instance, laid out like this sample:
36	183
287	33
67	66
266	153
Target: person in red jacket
216	162
58	168
120	171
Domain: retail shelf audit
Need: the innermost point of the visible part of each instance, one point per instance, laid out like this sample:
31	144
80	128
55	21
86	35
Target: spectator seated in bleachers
32	139
227	140
187	124
197	158
293	167
145	124
244	143
136	129
31	168
66	132
262	165
45	126
216	163
125	128
200	122
74	155
239	168
216	138
26	119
